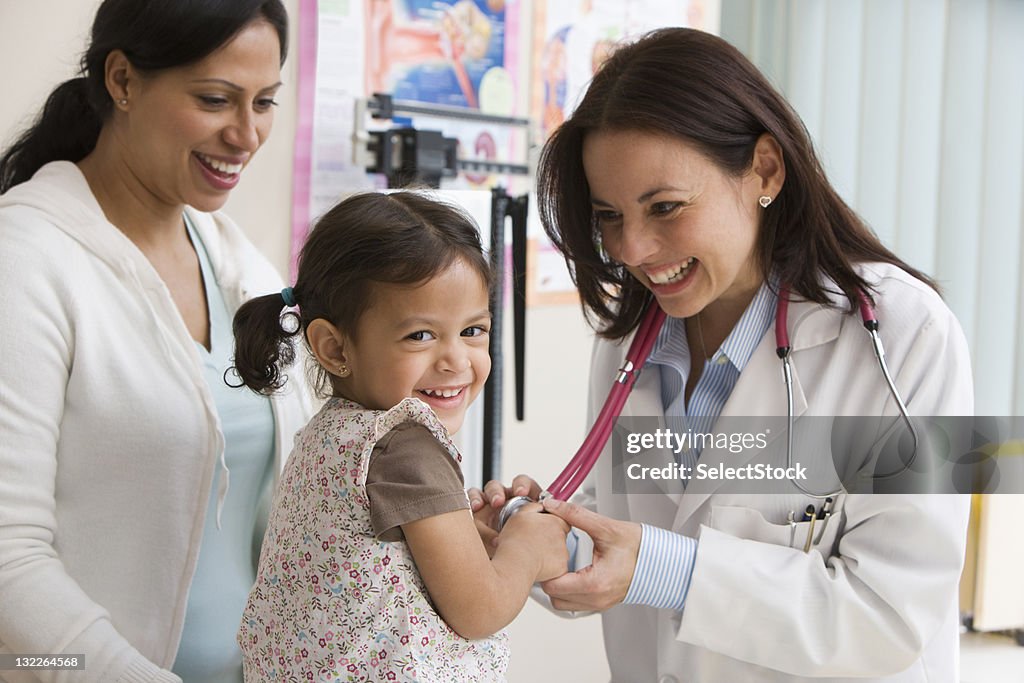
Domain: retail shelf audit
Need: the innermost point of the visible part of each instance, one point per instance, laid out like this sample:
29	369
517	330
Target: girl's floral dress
330	602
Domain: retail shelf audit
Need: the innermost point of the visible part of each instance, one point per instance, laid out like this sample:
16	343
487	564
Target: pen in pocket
809	515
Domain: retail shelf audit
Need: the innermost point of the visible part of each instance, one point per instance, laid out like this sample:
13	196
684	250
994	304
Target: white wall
49	35
558	347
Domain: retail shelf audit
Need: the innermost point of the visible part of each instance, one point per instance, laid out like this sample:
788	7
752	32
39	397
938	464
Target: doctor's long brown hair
697	87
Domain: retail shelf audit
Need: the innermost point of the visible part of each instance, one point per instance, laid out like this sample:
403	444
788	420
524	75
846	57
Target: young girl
372	568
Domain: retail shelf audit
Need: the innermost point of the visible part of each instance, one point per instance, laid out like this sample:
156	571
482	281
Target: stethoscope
579	467
782	350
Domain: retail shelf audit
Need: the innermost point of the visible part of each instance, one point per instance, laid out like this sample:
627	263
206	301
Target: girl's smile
427	341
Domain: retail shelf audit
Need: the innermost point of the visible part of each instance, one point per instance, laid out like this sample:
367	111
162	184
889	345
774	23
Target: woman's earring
123	101
764	201
343	370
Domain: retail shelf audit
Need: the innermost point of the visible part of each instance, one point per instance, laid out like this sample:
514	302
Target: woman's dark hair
401	238
153	36
697	87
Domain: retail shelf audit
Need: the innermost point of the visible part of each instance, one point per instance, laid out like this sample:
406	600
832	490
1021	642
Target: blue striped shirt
665	563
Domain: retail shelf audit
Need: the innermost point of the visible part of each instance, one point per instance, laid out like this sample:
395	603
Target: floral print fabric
330	602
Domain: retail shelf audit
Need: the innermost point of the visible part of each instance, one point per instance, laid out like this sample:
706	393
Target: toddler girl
372	568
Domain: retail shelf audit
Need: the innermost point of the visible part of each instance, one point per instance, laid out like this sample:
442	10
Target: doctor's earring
764	200
343	370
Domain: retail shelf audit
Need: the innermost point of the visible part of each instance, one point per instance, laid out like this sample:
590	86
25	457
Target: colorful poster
463	54
452	53
571	38
447	52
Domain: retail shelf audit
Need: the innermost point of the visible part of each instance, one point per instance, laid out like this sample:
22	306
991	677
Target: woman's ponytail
264	344
66	130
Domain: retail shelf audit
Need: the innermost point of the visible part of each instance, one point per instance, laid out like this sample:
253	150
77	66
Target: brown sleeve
411	476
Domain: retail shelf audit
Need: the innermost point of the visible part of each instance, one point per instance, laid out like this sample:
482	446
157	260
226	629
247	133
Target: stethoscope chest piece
511	508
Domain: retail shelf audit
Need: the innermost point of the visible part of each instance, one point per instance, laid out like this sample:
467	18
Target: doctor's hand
604	583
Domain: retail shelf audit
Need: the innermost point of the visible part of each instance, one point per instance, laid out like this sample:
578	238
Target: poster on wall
461	54
446	52
571	38
330	78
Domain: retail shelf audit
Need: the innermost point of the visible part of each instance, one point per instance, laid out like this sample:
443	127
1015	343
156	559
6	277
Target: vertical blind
917	110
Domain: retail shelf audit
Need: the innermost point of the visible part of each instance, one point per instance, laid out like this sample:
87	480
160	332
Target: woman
120	537
683	176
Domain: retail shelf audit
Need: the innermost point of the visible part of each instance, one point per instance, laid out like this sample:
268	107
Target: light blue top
665	562
226	568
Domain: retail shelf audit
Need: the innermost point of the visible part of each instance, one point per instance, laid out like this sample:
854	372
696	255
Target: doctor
684	175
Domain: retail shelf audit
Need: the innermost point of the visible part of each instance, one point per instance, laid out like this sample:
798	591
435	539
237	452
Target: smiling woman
141	554
219	111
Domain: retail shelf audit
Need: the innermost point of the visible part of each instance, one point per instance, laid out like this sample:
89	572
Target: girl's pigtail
264	343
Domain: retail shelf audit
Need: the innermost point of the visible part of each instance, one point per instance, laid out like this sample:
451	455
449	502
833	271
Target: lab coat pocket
749	523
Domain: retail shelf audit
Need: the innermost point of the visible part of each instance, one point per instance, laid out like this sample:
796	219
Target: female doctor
685	176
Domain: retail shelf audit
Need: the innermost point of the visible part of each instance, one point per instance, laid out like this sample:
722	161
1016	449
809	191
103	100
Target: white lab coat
876	598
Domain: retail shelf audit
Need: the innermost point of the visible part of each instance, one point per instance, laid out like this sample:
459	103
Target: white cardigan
110	434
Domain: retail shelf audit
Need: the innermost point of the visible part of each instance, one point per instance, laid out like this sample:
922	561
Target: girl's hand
495	494
475	594
486	505
541	535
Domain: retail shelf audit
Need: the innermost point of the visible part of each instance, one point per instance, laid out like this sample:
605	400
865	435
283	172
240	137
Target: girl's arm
477	595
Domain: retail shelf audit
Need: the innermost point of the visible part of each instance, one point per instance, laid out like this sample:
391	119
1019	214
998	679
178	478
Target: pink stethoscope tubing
586	457
579	467
566	483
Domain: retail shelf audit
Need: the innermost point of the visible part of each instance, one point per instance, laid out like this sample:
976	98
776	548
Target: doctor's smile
672	274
